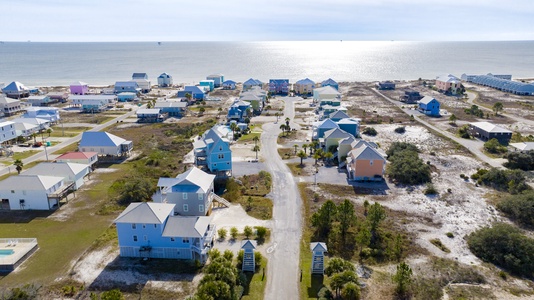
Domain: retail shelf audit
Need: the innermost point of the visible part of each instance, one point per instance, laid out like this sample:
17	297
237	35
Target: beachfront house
191	192
10	106
149	115
330	82
32	192
87	158
165	80
385	85
196	92
58	96
7	131
428	106
150	230
365	163
207	84
218	79
40	100
304	87
212	151
51	114
239	111
229	85
126	86
411	97
142	81
25	130
106	144
16	90
487	131
449	84
326	95
93	103
250	83
503	83
126	96
171	108
79	88
279	86
72	173
256	97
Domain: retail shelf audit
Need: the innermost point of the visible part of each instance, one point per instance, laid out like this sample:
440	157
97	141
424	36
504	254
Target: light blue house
164	80
172	108
338	115
192	192
126	86
350	125
210	84
429	106
321	127
250	83
238	111
330	82
229	85
196	92
147	229
218	79
212	151
126	96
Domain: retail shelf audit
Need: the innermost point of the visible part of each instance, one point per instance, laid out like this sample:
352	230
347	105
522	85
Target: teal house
212	151
210	84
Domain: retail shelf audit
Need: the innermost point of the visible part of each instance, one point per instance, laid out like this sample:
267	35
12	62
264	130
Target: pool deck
22	249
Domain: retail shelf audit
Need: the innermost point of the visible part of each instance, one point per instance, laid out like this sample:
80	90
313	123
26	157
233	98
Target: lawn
25	154
255	130
59	131
69	148
260	207
257	282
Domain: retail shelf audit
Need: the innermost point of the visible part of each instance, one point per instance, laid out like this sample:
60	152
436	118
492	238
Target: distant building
126	96
106	144
229	85
165	80
10	106
139	76
196	92
304	87
41	100
218	79
25	130
79	88
210	84
250	83
51	114
238	111
256	97
448	84
505	85
330	82
411	97
126	86
171	108
429	106
149	115
326	93
386	85
59	96
523	146
487	131
279	86
16	90
93	103
142	81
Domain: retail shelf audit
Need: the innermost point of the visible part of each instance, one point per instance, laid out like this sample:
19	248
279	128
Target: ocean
51	64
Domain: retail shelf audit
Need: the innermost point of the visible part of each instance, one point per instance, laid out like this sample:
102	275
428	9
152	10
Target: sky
271	20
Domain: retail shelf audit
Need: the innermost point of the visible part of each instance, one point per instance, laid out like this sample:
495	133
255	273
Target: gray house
487	131
191	192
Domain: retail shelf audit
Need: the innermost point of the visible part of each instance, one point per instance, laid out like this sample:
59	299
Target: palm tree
316	156
302	156
233	127
313	146
283	127
201	110
34	136
256	139
305	146
256	149
188	96
328	156
49	131
18	165
277	116
287	121
296	147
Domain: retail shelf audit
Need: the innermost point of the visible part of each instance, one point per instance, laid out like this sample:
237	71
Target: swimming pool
6	252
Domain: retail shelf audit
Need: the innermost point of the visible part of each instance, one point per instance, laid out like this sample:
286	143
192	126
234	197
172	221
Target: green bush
398	147
506	247
512	181
407	168
370	131
475	111
430	189
463	132
222	233
493	146
234	232
400	129
261	232
520	207
520	160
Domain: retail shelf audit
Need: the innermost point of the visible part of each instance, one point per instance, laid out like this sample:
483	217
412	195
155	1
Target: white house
105	144
42	124
32	192
7	131
86	158
10	106
72	173
40	100
165	80
48	113
93	103
26	129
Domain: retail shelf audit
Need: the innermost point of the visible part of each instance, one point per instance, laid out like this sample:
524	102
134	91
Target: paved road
283	269
49	150
472	145
471	99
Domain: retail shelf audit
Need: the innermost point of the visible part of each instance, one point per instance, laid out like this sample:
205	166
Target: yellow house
365	164
304	87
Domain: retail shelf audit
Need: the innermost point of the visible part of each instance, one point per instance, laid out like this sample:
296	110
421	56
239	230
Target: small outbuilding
249	262
318	250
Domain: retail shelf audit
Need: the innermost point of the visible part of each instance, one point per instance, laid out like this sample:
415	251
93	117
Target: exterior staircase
221	200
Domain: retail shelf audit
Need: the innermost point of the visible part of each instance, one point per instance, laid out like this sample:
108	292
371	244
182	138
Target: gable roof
179	226
329	81
58	168
488	127
164	75
366	153
7	100
145	213
252	81
327	124
193	176
348	120
77	155
140	75
126	84
148	111
78	83
338	115
23	126
318	247
348	140
100	138
336	133
327	90
305	81
29	182
193	89
427	100
523	146
229	82
448	78
165	104
248	244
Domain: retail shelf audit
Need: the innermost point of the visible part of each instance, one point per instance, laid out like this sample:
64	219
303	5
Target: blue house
126	86
320	128
210	84
429	106
218	79
338	115
196	92
126	96
192	192
238	111
147	229
164	80
228	85
249	84
330	82
212	151
279	86
350	125
172	108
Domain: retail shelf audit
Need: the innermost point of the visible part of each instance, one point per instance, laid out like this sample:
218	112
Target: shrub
493	146
449	235
398	147
463	132
401	129
520	160
233	233
370	131
503	275
222	233
439	244
114	294
258	257
512	181
407	168
505	246
247	231
261	232
519	207
430	189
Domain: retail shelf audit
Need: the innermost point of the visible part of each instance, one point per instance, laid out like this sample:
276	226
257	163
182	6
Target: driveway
283	268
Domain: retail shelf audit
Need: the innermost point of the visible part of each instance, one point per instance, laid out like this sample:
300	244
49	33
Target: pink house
448	83
79	88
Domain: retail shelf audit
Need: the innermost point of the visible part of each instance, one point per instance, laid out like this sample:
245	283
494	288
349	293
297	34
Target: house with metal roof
151	230
191	192
330	82
502	83
319	128
338	115
207	84
16	90
126	96
32	192
304	87
126	86
350	125
523	146
40	100
331	139
79	88
218	79
10	106
93	103
448	83
171	108
106	144
256	97
7	131
365	163
197	93
73	173
385	85
229	85
149	115
238	111
42	124
25	129
410	97
165	80
59	96
428	106
279	86
51	114
86	158
327	93
487	131
139	76
250	83
212	151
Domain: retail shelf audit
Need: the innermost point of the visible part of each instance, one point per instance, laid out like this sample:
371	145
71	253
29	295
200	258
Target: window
185	240
186	207
12	192
155	225
134	226
184	196
220	156
144	226
172	239
135	238
145	238
200	196
371	162
201	208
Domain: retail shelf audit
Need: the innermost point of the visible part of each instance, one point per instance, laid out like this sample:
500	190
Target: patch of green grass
59	131
461	292
260	207
257	282
286	153
69	148
298	170
23	155
439	244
